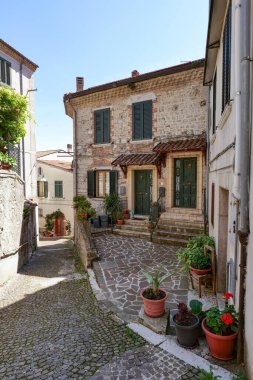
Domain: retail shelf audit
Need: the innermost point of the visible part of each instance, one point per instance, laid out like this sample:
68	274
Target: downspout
207	159
23	139
75	148
244	151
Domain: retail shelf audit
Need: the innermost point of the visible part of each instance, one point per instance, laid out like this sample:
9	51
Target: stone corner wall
84	244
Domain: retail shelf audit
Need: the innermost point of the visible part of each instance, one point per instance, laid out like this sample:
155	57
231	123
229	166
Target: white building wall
51	204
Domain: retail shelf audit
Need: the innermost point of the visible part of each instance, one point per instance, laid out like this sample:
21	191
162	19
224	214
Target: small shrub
204	375
184	316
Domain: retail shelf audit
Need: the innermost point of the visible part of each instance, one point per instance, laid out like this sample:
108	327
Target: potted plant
221	330
186	326
111	205
154	297
195	248
196	309
119	217
200	263
85	214
126	213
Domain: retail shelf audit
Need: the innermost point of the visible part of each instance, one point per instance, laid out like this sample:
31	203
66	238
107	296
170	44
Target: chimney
135	73
79	84
69	148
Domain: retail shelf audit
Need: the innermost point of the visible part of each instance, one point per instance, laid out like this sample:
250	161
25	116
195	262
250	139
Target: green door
142	189
185	182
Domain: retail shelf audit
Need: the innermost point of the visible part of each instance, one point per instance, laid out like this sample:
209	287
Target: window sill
224	116
141	141
101	144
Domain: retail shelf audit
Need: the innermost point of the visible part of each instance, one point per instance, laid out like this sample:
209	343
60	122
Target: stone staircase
177	226
135	228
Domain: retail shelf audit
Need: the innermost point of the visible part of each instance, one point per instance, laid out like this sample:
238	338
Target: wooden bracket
124	169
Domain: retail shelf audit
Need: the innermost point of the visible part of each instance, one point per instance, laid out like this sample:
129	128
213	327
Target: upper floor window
101	183
102	126
42	187
142	120
5	71
58	189
226	69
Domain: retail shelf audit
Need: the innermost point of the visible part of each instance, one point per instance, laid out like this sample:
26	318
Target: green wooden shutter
91	183
137	110
114	182
106	126
98	131
46	189
147	119
3	76
58	189
8	73
38	188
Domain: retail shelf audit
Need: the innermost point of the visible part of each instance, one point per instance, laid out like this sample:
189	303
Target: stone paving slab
119	272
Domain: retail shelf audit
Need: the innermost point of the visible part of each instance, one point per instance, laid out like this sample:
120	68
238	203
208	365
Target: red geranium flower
227	296
85	221
227	319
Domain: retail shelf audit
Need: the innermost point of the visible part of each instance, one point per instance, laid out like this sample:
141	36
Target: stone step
176	235
133	222
182	216
182	223
134	227
180	229
145	235
169	240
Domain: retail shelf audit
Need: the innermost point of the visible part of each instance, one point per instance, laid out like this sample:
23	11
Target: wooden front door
185	182
142	189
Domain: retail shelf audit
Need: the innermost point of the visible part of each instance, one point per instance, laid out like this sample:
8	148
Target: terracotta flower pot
200	271
126	216
220	346
5	166
154	308
120	222
187	336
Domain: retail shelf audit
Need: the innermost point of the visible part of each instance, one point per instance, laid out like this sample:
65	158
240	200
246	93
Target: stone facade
179	108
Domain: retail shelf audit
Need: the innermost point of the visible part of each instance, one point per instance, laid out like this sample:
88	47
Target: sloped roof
8	49
137	159
59	164
197	142
43	153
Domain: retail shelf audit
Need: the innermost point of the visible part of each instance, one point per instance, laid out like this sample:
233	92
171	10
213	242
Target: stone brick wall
83	244
179	108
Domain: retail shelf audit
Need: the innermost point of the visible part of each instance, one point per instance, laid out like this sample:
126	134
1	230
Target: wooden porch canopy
124	160
182	145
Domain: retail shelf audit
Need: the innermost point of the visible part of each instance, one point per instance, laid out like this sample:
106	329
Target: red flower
85	221
227	296
227	319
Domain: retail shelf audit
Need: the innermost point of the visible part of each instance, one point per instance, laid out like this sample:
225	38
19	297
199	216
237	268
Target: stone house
141	134
18	189
55	184
228	74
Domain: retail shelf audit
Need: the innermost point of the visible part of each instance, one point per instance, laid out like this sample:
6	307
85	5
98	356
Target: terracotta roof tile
137	159
59	164
182	144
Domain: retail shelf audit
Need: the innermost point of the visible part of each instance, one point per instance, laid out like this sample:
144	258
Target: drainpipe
75	147
207	159
23	139
244	151
237	98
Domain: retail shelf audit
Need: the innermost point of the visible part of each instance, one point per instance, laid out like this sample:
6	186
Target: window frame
142	121
102	112
42	192
214	102
56	183
104	174
226	60
7	72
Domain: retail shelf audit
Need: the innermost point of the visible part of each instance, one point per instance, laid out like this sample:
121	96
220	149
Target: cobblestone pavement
53	328
119	272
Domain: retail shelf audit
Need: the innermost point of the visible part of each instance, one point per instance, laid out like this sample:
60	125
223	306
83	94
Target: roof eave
217	14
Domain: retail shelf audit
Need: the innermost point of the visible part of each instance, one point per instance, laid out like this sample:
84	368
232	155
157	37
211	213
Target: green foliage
242	376
195	248
119	215
204	375
184	316
199	260
68	226
155	279
111	204
222	322
85	214
50	219
7	160
13	116
81	202
196	306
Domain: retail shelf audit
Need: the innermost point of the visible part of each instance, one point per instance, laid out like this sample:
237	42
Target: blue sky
101	40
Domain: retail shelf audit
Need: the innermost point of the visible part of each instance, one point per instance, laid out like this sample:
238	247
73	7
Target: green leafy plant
14	112
111	204
50	219
85	214
125	211
241	376
184	316
199	260
7	160
222	322
68	226
196	306
119	215
204	375
195	247
81	202
155	279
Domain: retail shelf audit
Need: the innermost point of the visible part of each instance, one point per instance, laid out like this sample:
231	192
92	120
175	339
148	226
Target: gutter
244	151
23	139
75	146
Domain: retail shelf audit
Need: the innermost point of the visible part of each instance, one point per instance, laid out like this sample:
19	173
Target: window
101	183
226	69
40	212
58	189
142	120
102	126
42	187
214	103
212	204
5	72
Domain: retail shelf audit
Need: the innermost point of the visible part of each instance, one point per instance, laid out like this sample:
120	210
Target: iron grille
14	152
